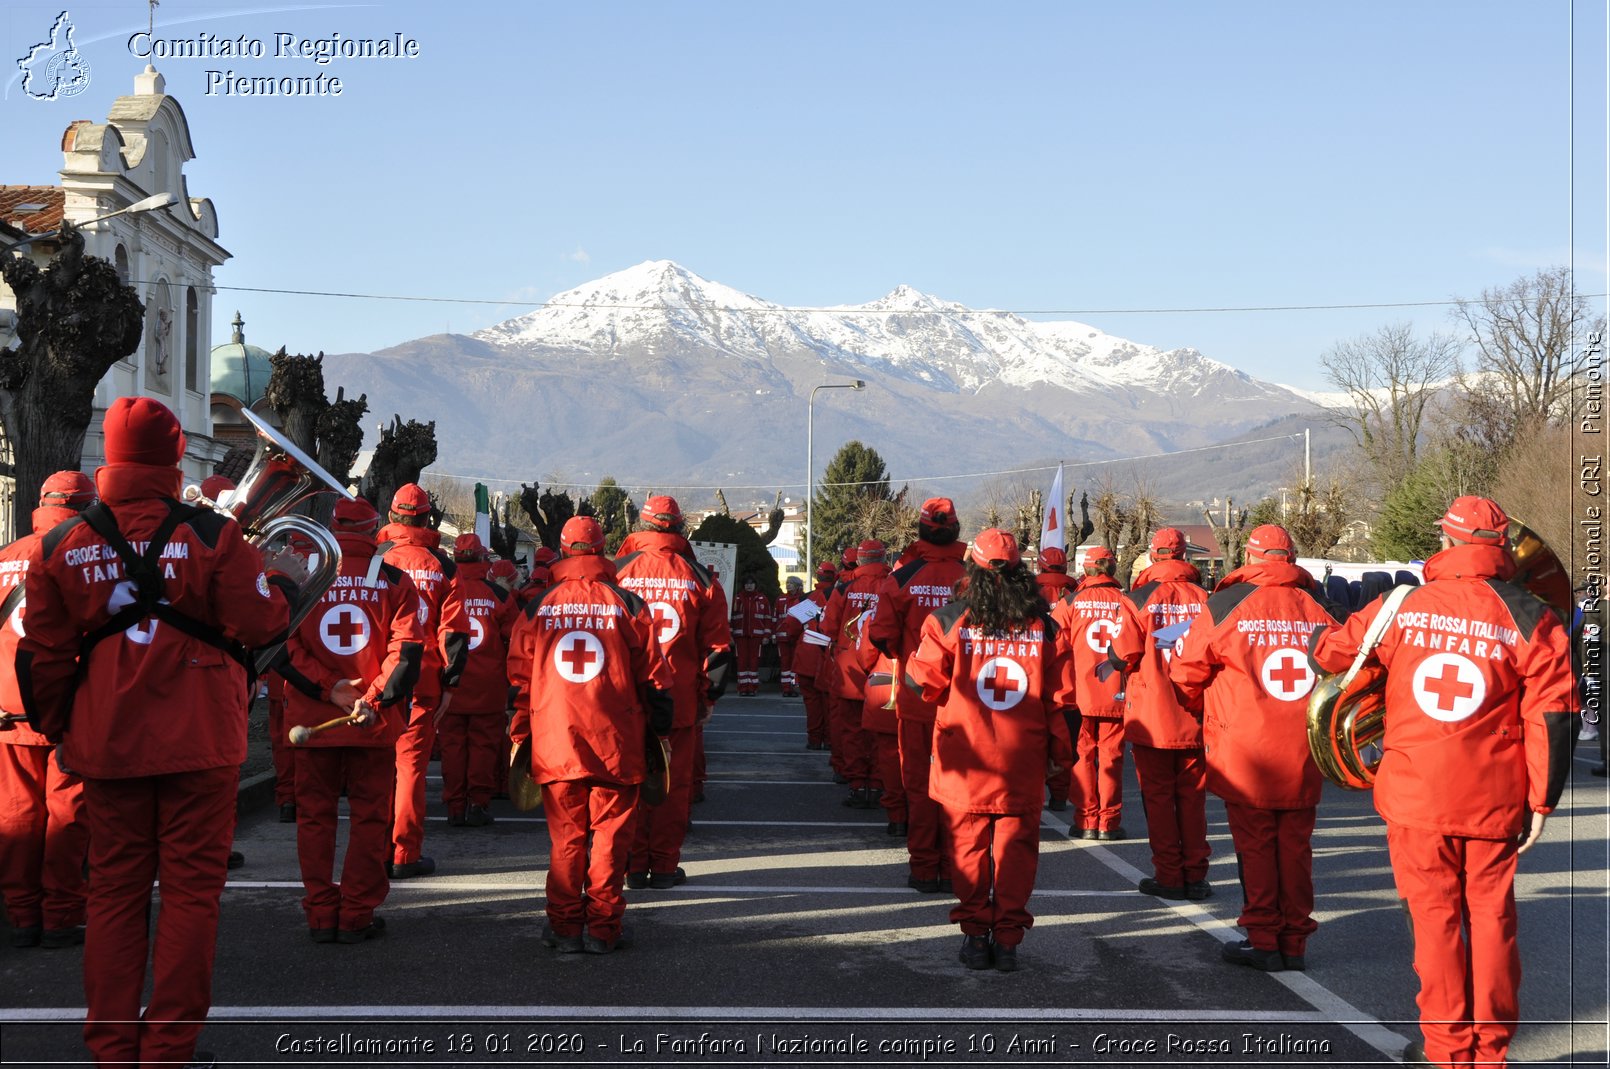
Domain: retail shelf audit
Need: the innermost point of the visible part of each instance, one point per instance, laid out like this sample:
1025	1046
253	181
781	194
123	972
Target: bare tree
1124	521
1390	376
1525	334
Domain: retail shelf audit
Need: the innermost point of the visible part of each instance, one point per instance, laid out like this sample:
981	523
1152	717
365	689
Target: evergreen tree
754	562
613	508
854	477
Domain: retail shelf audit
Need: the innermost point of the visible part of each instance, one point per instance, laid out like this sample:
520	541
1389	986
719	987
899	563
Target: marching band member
807	658
1091	616
841	622
475	725
752	624
787	638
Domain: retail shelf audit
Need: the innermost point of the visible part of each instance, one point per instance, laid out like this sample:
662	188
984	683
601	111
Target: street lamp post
160	200
810	462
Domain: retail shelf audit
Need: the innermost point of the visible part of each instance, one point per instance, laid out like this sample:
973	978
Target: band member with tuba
1243	665
1000	676
357	653
159	641
1476	752
42	834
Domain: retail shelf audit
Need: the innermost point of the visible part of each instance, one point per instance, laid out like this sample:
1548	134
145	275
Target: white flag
1053	530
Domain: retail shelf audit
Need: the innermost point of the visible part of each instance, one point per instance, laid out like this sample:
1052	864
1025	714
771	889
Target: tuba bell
279	478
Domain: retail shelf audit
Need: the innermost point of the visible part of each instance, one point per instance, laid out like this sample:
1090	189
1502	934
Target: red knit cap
1167	544
994	548
355	517
468	547
581	536
68	490
139	430
1270	542
1476	519
662	512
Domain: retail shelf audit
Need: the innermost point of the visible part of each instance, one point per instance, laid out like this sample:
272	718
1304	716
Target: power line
907	480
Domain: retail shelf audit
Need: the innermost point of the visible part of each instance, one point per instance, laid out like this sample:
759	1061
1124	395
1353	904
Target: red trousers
785	666
698	775
993	860
885	764
1098	774
469	743
175	829
368	773
1173	790
1274	851
413	757
854	745
816	711
280	748
925	840
660	829
43	839
747	650
584	882
1461	898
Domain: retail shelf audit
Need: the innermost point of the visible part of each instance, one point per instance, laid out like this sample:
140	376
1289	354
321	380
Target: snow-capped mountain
656	374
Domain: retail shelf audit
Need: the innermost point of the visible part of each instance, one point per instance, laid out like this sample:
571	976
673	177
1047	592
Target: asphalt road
796	942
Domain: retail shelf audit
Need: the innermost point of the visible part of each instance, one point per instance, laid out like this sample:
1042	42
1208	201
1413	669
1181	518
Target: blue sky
1076	156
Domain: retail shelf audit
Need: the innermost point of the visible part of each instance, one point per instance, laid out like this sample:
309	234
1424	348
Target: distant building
240	373
168	255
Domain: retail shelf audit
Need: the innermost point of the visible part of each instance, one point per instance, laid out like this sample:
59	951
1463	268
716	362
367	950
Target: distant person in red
1478	745
357	653
925	583
827	673
592	680
476	723
1244	666
807	658
410	543
992	664
139	670
43	838
1164	737
1091	617
1053	578
842	620
537	581
657	564
787	637
752	625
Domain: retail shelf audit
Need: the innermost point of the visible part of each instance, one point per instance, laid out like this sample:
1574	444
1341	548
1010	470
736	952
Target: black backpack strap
13	599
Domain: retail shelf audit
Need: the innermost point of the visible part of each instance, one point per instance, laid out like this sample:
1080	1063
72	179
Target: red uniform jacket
1090	619
153	700
1167	593
365	627
781	633
416	550
1478	698
658	566
490	612
1243	664
582	657
907	597
841	622
999	720
1054	586
807	655
752	615
13	571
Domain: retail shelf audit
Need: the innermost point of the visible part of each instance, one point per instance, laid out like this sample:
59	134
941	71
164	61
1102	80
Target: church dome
240	370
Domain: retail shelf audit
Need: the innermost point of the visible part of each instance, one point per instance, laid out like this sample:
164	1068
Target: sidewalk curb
255	793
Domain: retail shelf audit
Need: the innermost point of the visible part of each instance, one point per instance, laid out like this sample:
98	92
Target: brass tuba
279	478
1347	711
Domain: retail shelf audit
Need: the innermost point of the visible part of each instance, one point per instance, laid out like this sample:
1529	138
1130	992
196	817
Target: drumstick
300	735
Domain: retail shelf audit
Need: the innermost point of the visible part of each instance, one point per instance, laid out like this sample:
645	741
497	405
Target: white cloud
579	256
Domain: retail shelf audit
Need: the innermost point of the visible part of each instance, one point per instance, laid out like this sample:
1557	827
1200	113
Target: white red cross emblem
1098	636
1001	683
1449	687
344	630
579	656
666	616
122	596
477	632
16	618
1286	676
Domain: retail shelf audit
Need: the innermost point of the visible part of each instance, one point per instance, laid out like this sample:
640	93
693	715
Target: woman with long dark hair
993	664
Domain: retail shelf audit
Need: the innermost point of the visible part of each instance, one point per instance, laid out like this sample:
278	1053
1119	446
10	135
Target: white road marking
449	883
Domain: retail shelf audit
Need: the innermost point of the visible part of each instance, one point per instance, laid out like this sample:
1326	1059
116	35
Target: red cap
1270	542
1053	559
938	512
69	490
1476	519
468	547
356	516
410	500
994	548
581	536
662	512
502	569
870	552
1167	544
850	557
1098	557
543	557
139	430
